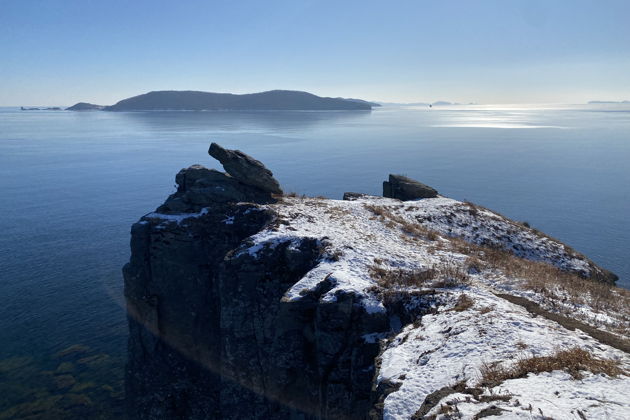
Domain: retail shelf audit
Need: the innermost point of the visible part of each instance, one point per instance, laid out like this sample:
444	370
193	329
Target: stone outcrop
210	336
246	180
246	169
219	327
405	189
199	187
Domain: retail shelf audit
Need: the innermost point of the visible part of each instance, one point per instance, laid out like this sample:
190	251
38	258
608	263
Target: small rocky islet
247	302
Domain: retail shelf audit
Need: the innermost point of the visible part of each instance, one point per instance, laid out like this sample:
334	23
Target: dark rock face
210	336
172	301
404	188
245	168
198	187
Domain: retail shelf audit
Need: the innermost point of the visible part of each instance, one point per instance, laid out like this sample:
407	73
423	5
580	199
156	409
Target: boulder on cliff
406	189
199	187
245	168
246	180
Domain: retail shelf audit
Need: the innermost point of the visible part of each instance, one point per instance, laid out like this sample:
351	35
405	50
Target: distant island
361	101
431	104
51	108
608	102
84	106
172	100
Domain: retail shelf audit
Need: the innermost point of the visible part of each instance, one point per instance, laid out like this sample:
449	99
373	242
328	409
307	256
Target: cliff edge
245	303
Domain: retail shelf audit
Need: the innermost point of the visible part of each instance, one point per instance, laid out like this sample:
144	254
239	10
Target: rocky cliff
248	304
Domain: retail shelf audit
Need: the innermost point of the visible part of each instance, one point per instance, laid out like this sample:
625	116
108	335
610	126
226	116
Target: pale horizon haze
57	53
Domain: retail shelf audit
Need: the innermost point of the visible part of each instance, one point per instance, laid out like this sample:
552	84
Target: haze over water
73	183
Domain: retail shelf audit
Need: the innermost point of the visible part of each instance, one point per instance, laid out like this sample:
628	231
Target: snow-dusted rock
362	308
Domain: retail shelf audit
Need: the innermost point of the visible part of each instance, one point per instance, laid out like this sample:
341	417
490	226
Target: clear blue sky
494	51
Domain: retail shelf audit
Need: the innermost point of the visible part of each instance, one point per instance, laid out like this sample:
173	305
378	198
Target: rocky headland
246	302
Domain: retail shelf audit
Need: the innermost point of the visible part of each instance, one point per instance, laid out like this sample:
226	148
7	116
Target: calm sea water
72	184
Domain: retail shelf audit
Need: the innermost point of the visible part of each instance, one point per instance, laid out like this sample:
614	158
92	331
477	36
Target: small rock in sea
65	367
82	386
72	350
64	381
95	360
73	401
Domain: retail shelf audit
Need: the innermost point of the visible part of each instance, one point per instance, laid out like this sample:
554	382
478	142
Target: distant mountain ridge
608	102
201	101
84	106
361	101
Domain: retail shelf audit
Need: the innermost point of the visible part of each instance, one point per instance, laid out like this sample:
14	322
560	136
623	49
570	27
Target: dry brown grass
573	361
451	275
437	276
463	303
471	208
561	289
391	220
391	278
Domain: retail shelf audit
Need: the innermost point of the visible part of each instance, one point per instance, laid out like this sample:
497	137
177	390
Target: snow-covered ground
450	346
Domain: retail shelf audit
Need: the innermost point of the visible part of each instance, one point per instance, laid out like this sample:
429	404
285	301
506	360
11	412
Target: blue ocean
72	183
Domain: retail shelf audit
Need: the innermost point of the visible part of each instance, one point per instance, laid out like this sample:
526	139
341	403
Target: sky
483	51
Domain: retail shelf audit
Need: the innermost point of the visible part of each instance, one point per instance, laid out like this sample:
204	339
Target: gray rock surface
210	336
404	189
199	187
245	168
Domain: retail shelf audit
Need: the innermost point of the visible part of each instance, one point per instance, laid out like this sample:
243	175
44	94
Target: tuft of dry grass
391	220
437	276
450	275
391	278
471	208
574	361
463	303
